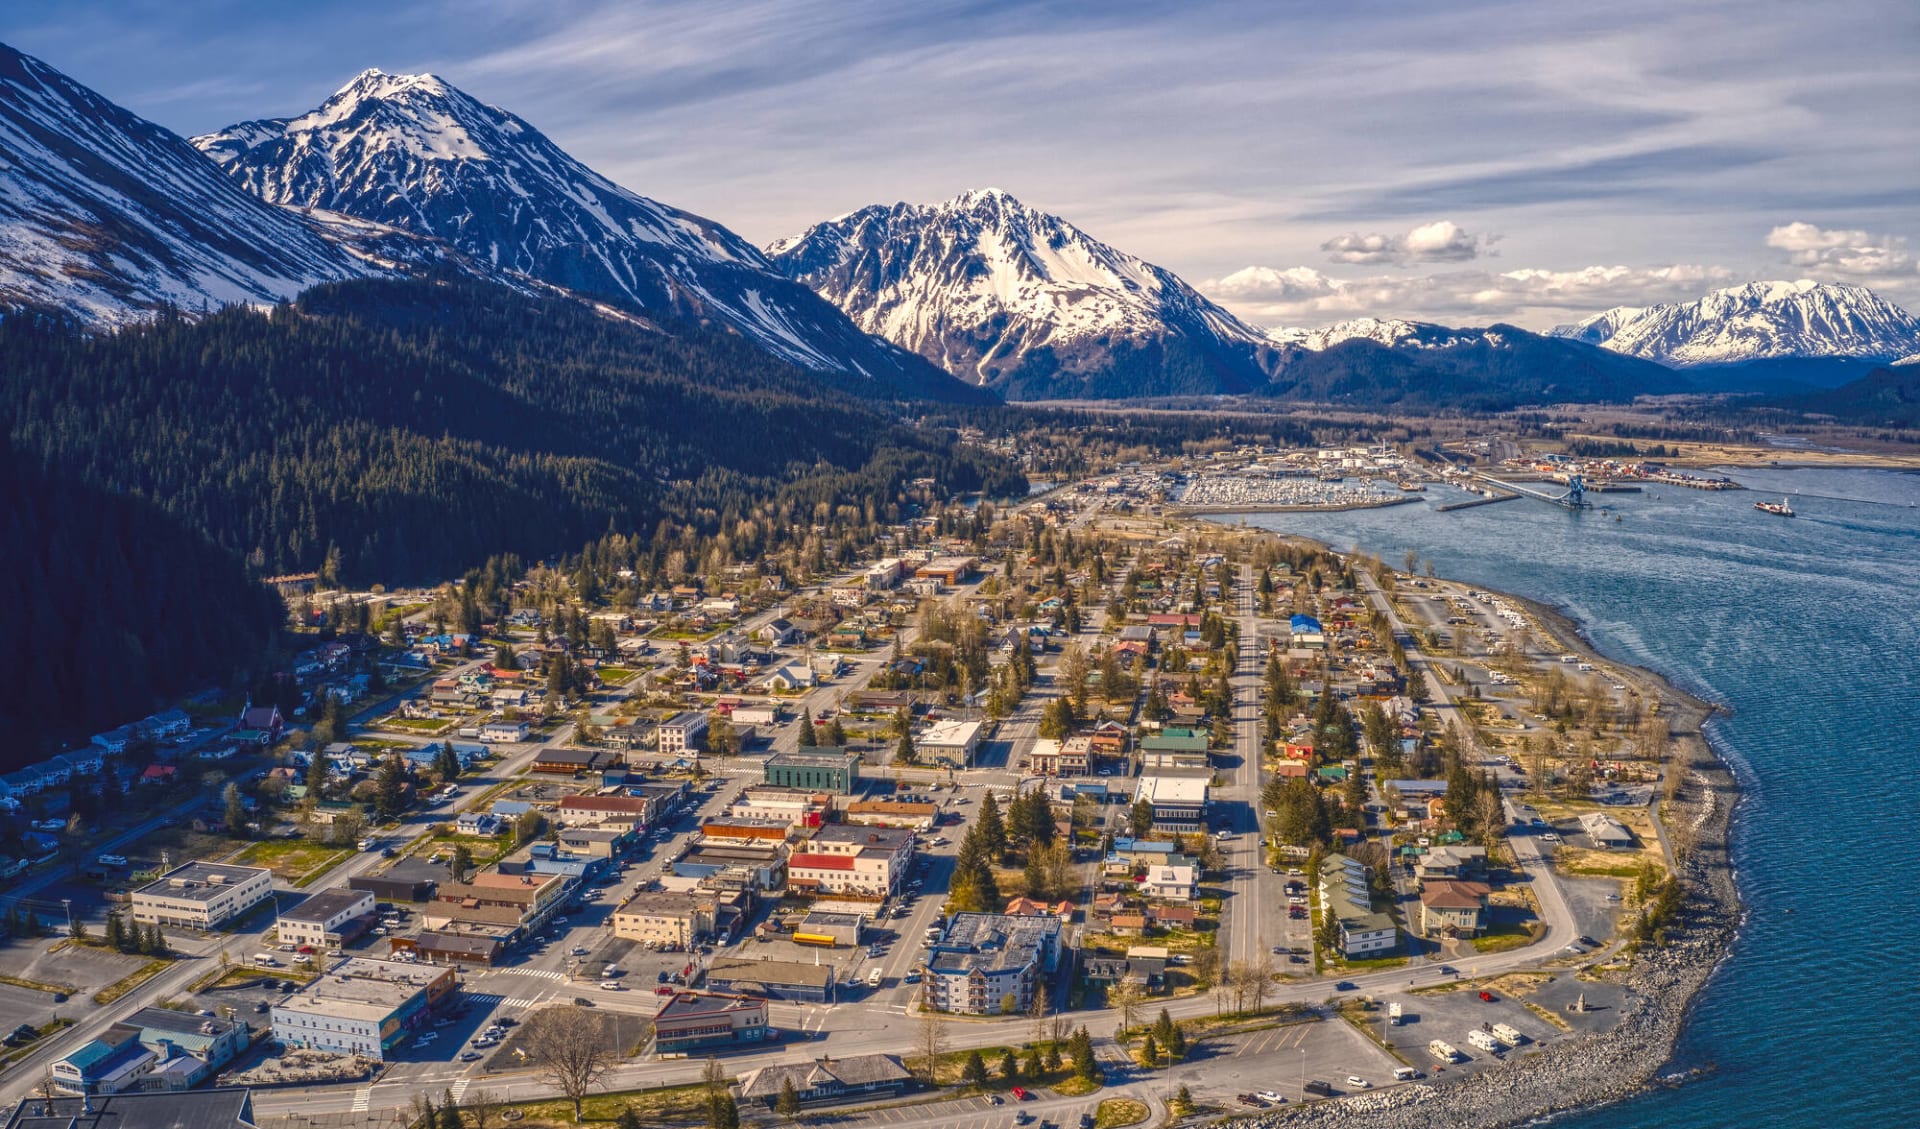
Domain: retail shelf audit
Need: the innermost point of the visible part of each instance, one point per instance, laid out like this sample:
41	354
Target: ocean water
1809	629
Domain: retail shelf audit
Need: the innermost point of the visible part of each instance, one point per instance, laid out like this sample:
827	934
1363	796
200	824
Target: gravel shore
1581	1072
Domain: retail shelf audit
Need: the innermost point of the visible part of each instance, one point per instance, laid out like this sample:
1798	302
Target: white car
1269	1096
1358	1082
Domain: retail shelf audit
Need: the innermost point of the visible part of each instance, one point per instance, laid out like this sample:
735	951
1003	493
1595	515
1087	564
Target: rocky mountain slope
106	216
1007	296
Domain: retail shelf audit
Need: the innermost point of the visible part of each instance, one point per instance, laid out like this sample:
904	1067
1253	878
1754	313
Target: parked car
1358	1082
1271	1095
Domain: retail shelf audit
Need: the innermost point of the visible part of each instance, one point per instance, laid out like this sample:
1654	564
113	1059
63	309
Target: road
1555	914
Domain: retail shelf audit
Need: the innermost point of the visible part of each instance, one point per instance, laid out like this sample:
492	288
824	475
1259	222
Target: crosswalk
491	999
543	973
459	1089
361	1098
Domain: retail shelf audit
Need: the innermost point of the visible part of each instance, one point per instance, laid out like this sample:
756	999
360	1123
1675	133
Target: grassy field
667	1104
617	675
433	726
1505	936
296	860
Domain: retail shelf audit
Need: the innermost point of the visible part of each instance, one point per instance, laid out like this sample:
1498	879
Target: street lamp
67	904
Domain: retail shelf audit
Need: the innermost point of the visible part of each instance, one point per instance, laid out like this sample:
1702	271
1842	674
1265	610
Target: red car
1019	1093
1486	997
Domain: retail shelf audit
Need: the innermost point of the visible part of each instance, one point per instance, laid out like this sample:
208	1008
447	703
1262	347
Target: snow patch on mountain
1391	332
108	217
1758	320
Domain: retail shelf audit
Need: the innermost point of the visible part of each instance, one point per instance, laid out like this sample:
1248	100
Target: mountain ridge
1754	321
416	153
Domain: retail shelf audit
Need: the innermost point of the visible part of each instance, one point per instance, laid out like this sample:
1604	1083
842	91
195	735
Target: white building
956	741
683	732
319	921
201	895
362	1006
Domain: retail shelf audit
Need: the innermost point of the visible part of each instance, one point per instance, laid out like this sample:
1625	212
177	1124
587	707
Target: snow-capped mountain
107	217
1007	296
1391	332
1756	321
416	153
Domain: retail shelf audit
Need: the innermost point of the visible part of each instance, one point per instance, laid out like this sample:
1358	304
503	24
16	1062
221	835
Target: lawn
1117	1112
617	675
665	1105
430	725
296	860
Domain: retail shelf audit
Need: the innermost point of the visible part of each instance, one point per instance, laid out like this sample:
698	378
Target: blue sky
1300	161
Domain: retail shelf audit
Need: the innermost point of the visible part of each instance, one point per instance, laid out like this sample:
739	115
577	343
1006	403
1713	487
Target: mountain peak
415	153
1756	320
1003	294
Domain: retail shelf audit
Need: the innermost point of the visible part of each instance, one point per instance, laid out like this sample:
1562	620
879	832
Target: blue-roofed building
1305	625
511	809
114	1062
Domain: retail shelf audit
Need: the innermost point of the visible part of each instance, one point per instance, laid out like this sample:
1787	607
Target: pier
1472	502
1573	499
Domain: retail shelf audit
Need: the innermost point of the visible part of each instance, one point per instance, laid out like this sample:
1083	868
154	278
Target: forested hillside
111	605
422	426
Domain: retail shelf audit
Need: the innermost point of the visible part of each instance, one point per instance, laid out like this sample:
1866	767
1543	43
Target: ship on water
1780	508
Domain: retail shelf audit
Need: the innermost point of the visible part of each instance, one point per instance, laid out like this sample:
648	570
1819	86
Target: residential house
1452	908
824	1080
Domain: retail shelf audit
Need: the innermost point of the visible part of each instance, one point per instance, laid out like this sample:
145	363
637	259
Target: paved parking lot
1277	1058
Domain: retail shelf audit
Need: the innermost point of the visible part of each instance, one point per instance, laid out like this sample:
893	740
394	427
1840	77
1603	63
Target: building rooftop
854	1071
225	1108
362	988
1164	789
200	881
884	838
992	942
182	1022
740	970
701	1005
955	734
327	904
820	756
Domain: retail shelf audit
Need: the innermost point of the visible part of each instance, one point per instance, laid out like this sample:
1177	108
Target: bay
1808	630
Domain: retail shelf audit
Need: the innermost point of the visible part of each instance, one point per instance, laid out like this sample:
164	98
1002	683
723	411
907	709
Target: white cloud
1529	297
1441	241
1854	253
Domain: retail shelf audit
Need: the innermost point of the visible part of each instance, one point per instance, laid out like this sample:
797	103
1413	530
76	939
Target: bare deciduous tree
933	1038
565	1044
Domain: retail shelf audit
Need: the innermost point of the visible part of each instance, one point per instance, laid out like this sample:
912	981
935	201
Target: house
1452	908
778	633
1024	906
1452	860
114	741
786	679
1175	749
1176	882
509	698
828	1080
568	761
504	732
478	823
1147	966
1607	833
693	1022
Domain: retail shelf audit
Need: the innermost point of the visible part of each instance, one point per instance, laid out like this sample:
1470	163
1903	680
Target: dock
1472	502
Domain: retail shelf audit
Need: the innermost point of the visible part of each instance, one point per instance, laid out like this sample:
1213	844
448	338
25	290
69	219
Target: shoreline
1586	1072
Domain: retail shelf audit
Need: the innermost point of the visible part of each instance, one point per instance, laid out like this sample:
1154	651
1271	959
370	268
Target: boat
1779	508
